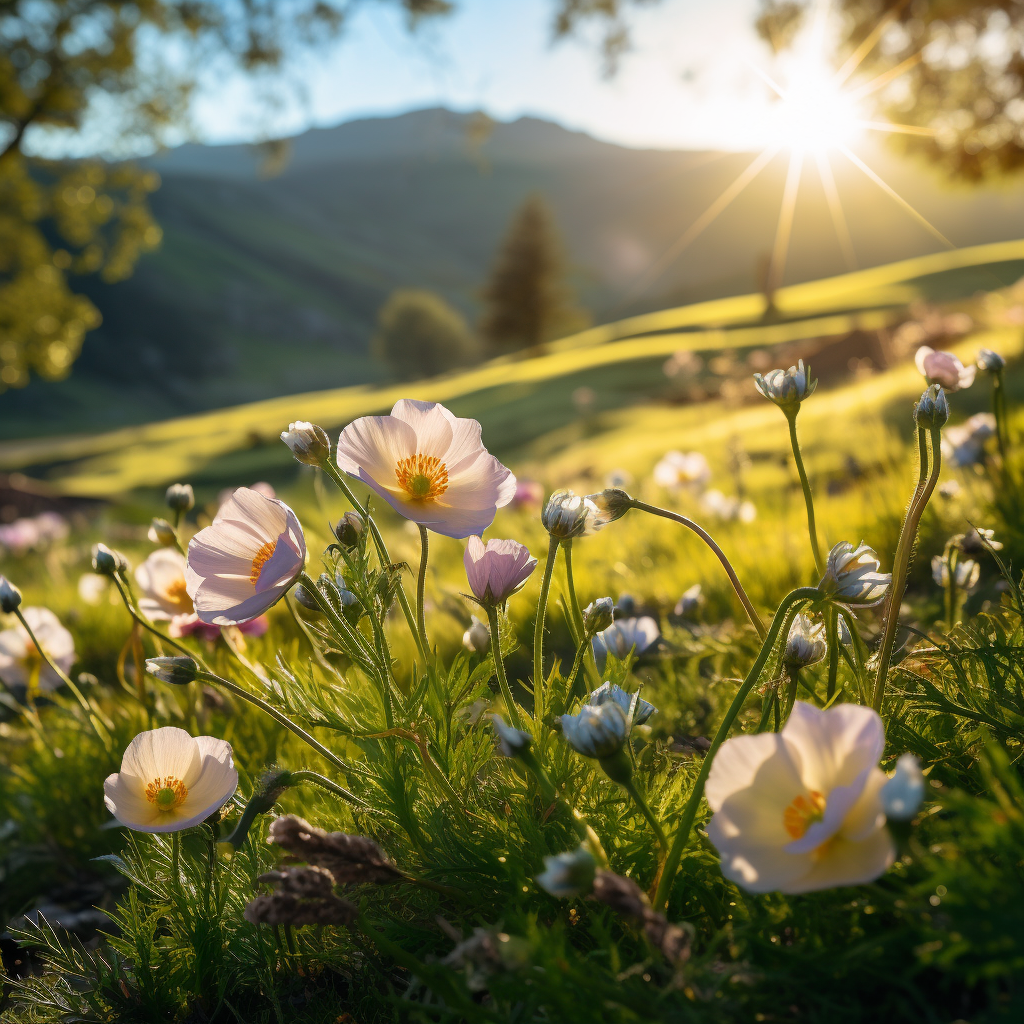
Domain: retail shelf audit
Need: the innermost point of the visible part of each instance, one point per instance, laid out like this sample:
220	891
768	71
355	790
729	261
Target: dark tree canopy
954	69
527	300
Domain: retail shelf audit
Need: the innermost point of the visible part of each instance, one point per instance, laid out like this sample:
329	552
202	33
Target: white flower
690	602
597	730
787	388
568	874
93	587
170	781
852	576
608	691
161	578
903	793
511	741
478	637
806	644
308	442
965	575
944	368
245	561
682	469
964	445
20	658
800	810
566	515
429	466
624	636
728	509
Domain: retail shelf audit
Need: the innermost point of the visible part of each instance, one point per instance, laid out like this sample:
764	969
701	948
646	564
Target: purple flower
498	570
943	368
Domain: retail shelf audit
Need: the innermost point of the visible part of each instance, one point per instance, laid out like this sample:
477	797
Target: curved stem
819	564
316	779
421	586
832	640
901	564
278	717
538	632
99	727
577	615
689	813
499	668
794	682
748	607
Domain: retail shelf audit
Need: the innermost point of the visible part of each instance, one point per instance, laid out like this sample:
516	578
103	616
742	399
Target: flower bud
690	602
933	409
599	731
108	562
478	637
598	615
305	598
348	529
787	388
511	742
10	596
161	532
607	691
567	515
610	504
852	576
902	794
806	644
180	498
178	670
309	443
991	362
568	874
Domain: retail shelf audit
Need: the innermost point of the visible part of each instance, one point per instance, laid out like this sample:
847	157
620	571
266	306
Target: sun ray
898	129
752	170
785	227
767	79
868	44
889	190
835	207
885	77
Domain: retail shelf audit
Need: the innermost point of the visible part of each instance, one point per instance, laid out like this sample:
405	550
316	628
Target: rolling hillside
270	286
523	400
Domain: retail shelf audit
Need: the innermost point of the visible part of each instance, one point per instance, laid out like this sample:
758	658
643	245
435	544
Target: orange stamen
167	793
803	812
260	559
422	477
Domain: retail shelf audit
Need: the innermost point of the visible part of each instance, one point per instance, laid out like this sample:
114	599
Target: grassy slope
521	400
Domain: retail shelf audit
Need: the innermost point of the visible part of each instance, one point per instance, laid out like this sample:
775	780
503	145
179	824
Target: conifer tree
527	300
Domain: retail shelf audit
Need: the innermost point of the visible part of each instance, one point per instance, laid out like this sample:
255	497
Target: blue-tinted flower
624	636
598	731
568	874
510	741
903	793
608	691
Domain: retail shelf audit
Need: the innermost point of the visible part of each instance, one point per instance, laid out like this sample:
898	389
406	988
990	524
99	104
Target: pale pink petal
371	447
162	753
432	424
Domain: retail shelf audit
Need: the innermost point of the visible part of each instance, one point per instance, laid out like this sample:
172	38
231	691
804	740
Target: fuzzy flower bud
161	532
787	388
933	409
511	742
305	598
991	362
309	443
903	793
599	731
108	562
10	596
568	874
852	576
598	615
348	529
180	497
178	670
567	515
610	504
806	644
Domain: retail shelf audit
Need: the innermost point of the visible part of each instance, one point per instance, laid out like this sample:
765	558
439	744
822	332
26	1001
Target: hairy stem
901	564
577	615
538	632
812	531
832	640
499	668
748	606
421	586
682	836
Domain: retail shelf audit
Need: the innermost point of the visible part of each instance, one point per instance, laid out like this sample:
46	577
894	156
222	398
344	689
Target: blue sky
687	83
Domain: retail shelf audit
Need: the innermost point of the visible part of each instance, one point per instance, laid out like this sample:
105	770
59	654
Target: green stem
176	863
638	798
860	651
999	411
574	673
805	484
901	565
316	779
794	682
689	813
748	607
421	586
832	640
577	615
538	632
100	729
499	668
278	717
382	552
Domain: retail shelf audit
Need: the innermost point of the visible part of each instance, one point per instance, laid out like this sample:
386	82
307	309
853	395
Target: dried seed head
349	859
625	897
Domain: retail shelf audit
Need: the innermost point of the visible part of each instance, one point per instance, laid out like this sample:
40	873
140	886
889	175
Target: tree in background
527	299
113	76
955	71
420	335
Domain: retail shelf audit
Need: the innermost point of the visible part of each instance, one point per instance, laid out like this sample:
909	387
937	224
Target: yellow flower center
422	477
176	594
260	559
803	812
167	793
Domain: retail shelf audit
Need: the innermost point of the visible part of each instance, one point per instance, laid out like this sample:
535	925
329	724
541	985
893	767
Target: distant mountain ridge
268	286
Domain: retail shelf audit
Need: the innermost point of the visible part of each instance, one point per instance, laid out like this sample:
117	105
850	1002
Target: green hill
269	286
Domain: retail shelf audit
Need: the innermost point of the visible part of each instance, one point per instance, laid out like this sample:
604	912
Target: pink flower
944	368
498	570
429	466
191	625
